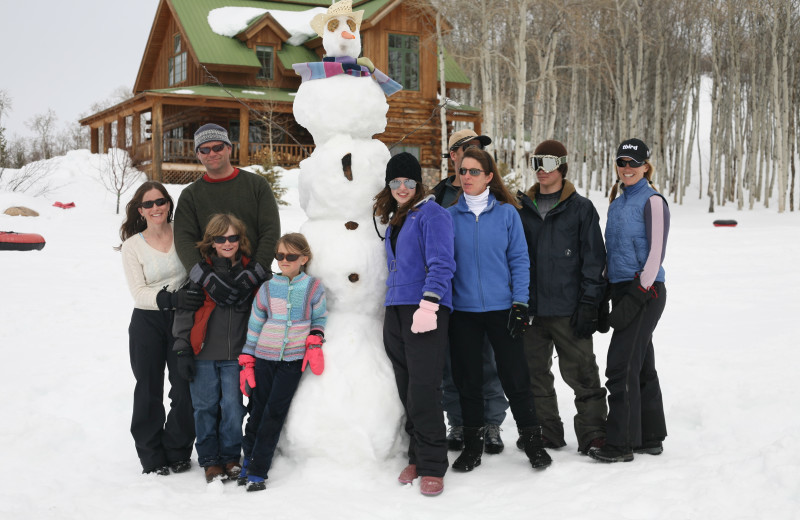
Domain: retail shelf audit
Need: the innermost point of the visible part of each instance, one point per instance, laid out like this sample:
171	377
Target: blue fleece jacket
492	258
423	260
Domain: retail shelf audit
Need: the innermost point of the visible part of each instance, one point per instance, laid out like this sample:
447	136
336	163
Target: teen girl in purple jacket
419	254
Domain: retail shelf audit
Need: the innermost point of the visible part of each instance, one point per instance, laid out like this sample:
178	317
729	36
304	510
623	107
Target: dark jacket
422	261
445	193
214	332
566	251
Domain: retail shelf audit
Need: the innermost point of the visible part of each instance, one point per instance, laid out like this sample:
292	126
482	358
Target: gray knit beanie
210	132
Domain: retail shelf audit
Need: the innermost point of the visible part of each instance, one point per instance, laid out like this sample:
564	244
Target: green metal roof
453	71
290	54
254	93
211	47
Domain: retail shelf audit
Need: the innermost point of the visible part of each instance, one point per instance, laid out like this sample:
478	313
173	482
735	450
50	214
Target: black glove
631	303
602	314
517	320
220	291
186	365
186	298
251	278
584	320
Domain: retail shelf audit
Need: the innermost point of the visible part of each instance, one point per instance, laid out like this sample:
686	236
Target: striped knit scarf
329	67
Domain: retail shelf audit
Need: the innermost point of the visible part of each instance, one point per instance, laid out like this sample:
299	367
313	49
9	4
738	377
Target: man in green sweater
225	189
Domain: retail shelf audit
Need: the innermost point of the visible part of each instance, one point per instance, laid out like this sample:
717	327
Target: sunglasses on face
147	204
547	163
632	163
205	150
472	171
395	183
291	258
230	238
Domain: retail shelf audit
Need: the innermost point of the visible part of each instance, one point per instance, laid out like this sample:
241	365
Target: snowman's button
353	277
351	225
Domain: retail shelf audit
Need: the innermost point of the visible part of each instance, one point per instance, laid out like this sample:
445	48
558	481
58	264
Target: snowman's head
340	29
341	37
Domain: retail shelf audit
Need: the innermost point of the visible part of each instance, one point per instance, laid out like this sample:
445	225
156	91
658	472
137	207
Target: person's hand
314	357
251	279
247	376
517	320
424	318
190	297
631	303
584	320
220	291
186	365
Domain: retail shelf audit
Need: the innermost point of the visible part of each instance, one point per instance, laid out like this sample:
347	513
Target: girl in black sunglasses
208	343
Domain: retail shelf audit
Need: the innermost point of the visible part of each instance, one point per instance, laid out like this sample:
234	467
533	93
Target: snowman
351	412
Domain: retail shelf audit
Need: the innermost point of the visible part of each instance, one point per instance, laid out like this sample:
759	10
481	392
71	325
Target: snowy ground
724	353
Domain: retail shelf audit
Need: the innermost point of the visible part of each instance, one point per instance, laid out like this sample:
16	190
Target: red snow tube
11	241
725	223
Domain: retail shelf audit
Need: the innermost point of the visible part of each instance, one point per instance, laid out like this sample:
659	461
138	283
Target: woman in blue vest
490	298
419	256
636	240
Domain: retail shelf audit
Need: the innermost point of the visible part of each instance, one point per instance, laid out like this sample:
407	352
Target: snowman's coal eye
351	24
333	24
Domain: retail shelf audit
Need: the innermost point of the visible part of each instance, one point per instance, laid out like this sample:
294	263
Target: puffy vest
626	237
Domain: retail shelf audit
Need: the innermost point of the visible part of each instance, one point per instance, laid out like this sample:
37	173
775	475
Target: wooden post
94	137
121	131
136	132
106	137
157	139
244	137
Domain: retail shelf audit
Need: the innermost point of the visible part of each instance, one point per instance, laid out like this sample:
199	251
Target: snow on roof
230	21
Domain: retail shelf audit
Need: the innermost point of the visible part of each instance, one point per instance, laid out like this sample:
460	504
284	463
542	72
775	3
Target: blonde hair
296	242
217	227
648	174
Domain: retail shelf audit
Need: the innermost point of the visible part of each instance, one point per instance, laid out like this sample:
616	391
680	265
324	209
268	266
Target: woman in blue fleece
419	255
490	295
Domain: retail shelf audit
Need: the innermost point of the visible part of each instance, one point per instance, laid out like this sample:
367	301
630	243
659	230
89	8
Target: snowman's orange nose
348	35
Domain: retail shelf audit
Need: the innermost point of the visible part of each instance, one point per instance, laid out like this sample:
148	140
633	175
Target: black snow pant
418	361
635	408
578	367
160	438
467	332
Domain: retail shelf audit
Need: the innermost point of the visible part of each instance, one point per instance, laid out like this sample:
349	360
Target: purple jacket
423	262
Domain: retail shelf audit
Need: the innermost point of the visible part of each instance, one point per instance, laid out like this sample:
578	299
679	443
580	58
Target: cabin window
404	60
176	69
413	150
264	55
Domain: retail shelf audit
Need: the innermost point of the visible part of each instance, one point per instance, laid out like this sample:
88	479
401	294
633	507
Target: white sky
68	55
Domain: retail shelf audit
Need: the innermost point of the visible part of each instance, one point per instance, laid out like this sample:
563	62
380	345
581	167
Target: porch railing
182	151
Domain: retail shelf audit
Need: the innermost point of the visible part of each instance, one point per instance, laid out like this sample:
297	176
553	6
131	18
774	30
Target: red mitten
424	318
314	356
247	376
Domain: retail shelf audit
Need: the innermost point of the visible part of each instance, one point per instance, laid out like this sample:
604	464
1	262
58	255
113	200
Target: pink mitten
425	317
314	356
247	377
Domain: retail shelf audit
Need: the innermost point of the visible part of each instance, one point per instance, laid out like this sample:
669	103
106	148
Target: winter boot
470	458
494	444
431	486
255	483
242	479
611	453
180	466
408	475
534	447
455	438
650	448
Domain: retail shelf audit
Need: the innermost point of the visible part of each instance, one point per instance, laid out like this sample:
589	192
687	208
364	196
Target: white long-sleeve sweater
148	270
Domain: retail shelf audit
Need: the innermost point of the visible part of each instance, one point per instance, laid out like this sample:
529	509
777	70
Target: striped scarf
329	67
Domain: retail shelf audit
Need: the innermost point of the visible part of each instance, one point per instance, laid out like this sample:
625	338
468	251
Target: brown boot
214	473
408	474
431	486
232	470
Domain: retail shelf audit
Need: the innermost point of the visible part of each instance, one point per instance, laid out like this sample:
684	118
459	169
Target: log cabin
241	78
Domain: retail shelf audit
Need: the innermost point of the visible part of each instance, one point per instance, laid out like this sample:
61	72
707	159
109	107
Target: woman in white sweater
155	276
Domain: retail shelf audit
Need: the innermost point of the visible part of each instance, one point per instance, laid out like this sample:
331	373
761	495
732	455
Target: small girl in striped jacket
284	335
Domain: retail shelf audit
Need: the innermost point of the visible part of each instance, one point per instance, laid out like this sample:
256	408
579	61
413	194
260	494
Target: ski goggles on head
547	163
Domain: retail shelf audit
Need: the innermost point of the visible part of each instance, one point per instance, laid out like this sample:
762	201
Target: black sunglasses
472	171
147	204
230	238
632	163
280	256
205	150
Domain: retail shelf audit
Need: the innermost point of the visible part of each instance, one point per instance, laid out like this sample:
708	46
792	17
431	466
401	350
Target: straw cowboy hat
343	7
